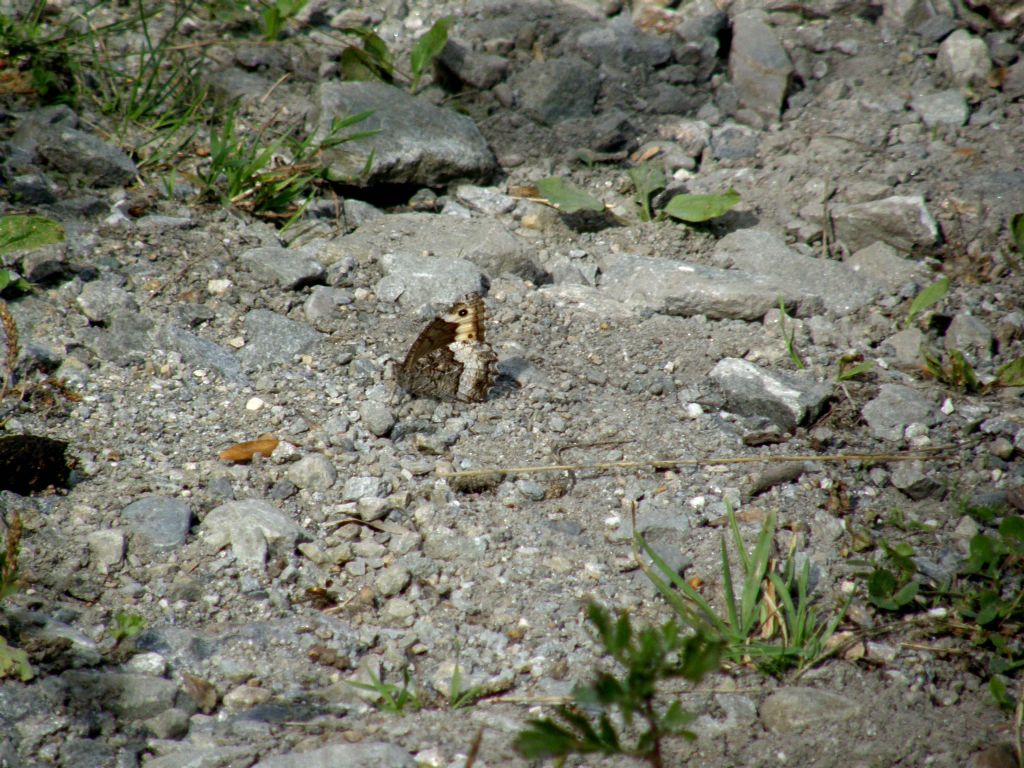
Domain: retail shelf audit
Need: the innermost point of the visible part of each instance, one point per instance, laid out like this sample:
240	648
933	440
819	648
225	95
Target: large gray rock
199	353
901	221
882	264
758	65
126	694
786	400
485	242
287	268
765	254
254	529
158	523
416	142
557	89
272	339
894	409
415	281
678	288
947	107
73	151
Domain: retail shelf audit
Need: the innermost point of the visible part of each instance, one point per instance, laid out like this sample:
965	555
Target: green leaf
567	197
697	208
428	48
1012	374
933	294
26	233
647	179
676	718
853	371
1017	231
14	661
544	739
961	371
997	688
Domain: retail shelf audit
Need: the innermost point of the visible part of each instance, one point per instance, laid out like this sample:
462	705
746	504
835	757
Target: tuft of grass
269	178
951	368
391	697
789	338
620	714
768	619
126	626
13	661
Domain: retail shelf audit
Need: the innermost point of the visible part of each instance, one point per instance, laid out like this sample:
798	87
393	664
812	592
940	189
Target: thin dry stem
659	464
11	345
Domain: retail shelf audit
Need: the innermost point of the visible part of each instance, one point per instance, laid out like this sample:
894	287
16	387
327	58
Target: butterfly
450	360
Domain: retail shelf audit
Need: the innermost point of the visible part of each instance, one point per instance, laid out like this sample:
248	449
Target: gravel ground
179	329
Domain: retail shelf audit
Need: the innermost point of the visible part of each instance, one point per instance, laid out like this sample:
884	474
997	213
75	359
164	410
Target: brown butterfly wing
449	359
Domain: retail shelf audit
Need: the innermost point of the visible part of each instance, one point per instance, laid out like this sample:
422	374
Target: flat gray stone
200	354
73	151
678	288
359	755
766	255
126	694
287	268
100	300
321	308
901	221
158	523
759	66
894	409
911	479
971	336
786	400
254	529
418	281
203	757
906	347
364	486
315	472
799	708
485	242
734	142
557	89
106	548
882	264
942	108
272	339
376	417
620	45
416	142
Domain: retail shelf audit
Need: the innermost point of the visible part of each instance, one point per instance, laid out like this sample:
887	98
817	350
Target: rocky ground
876	148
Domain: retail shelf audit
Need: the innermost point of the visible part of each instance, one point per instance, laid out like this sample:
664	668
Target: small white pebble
236	342
218	286
254	404
947	406
694	411
698	502
612	521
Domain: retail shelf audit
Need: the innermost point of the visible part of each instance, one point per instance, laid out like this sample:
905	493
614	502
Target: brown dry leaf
696	582
523	190
200	691
964	151
647	154
242	453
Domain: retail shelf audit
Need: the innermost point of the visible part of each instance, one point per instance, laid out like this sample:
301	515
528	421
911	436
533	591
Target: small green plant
648	179
789	338
568	198
276	14
851	366
459	697
770	622
928	297
372	60
13	282
391	697
1017	231
13	661
247	171
613	710
695	209
1012	374
126	626
983	597
45	58
951	368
